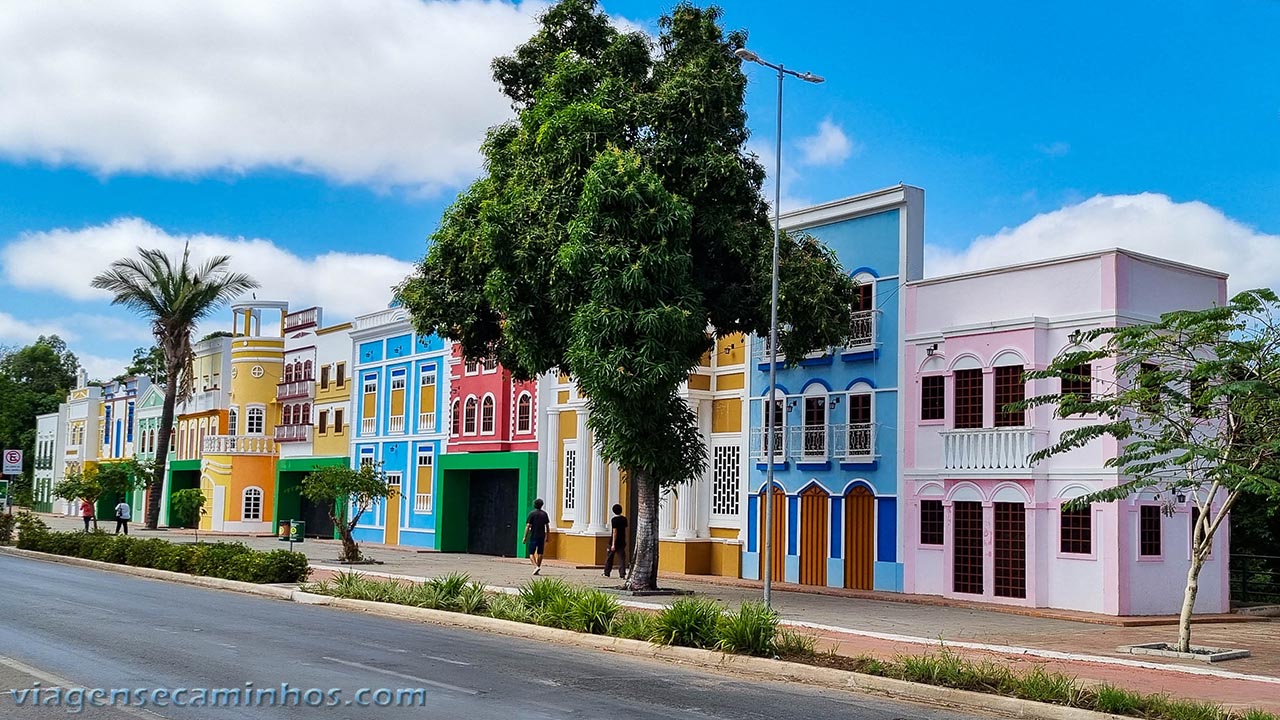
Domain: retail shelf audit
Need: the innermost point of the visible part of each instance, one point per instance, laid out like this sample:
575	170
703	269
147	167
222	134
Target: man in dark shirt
617	543
535	535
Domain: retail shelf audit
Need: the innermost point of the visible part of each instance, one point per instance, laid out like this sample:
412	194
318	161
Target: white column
667	515
599	492
581	483
550	481
686	511
705	410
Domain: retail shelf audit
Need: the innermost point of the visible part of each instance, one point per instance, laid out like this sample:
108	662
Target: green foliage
632	625
1047	687
32	531
509	607
185	507
472	600
146	553
794	644
749	631
339	488
539	593
691	622
230	561
33	380
620	217
8	522
149	362
1108	698
947	669
593	612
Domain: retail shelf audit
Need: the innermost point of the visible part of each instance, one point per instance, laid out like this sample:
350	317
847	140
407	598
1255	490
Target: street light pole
767	562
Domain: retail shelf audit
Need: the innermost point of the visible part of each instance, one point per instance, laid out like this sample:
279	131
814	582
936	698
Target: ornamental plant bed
753	629
1203	654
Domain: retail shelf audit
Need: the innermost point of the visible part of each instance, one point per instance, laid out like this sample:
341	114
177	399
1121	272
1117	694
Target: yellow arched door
779	539
859	539
814	516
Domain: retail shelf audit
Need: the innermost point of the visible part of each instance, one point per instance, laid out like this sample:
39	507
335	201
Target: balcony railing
293	433
812	441
989	448
295	389
239	445
368	426
395	424
301	318
779	443
426	422
853	441
422	503
863	337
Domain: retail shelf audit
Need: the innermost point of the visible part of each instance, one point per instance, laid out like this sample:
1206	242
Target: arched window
486	416
524	413
297	370
286	415
455	418
306	370
305	417
469	416
251	504
255	421
233	424
288	372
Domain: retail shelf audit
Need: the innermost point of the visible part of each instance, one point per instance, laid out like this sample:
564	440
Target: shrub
508	607
473	599
216	559
633	625
592	612
795	644
8	522
32	531
283	566
558	612
539	593
692	622
749	631
177	558
145	553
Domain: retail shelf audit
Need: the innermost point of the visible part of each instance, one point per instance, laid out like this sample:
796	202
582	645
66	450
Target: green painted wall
455	494
182	475
289	475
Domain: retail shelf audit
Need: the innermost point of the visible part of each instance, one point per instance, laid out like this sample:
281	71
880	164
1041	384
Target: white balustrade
239	445
426	422
368	426
779	443
855	440
987	449
863	336
395	424
293	433
295	389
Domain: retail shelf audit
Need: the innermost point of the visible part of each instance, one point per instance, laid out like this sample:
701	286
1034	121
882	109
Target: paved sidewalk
859	625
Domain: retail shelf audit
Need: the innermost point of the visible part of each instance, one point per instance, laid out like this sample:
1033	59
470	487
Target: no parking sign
12	463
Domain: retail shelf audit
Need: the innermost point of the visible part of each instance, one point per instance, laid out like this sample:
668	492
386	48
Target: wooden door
391	522
859	539
779	539
814	517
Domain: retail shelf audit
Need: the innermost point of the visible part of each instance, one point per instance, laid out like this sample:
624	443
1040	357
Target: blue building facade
401	381
837	518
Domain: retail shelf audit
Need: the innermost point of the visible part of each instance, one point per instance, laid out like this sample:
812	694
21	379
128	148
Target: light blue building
401	380
836	514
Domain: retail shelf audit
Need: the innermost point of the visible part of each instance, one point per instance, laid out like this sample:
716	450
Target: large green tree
174	295
33	380
147	361
1193	401
619	226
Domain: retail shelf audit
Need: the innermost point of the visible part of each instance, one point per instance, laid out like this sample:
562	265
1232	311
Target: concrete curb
274	592
749	667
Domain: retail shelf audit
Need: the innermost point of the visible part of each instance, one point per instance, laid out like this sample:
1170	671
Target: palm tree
174	296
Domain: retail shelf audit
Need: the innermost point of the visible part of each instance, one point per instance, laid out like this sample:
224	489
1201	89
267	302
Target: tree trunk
350	548
644	566
162	450
1189	600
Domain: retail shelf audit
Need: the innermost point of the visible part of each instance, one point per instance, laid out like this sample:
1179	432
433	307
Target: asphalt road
93	629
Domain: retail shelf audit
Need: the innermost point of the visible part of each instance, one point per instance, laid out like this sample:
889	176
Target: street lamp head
745	54
810	77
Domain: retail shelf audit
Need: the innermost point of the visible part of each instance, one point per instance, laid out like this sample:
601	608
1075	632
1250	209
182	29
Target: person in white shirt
123	514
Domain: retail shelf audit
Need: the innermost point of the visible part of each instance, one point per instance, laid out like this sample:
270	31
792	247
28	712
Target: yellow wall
249	390
736	347
726	415
699	382
730	381
330	443
568	431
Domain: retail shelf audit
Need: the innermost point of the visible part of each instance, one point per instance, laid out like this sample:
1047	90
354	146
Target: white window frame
233	420
428	453
399	379
260	412
470	415
524	413
470	366
490	404
569	493
255	492
490	365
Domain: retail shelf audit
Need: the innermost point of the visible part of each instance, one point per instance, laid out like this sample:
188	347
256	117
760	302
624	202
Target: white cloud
829	146
63	261
1151	223
1054	149
99	367
386	92
21	332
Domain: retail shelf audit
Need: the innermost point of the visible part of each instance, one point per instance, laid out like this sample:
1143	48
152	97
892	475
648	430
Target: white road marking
446	660
52	680
392	673
380	646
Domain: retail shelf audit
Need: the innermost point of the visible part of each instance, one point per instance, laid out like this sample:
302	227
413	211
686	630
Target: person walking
535	535
123	513
86	512
617	543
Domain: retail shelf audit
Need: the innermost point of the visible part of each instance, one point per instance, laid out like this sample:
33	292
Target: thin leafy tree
618	229
174	294
348	493
1193	401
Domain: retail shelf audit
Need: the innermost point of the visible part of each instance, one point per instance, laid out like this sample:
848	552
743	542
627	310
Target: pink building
980	523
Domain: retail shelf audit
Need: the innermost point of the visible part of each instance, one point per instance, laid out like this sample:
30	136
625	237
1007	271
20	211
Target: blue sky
318	142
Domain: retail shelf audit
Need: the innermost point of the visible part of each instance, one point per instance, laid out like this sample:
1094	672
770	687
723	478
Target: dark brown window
931	522
865	299
859	408
1077	531
933	405
966	544
337	420
324	419
341	374
1010	388
1150	384
1011	550
968	400
1078	381
324	377
1149	518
